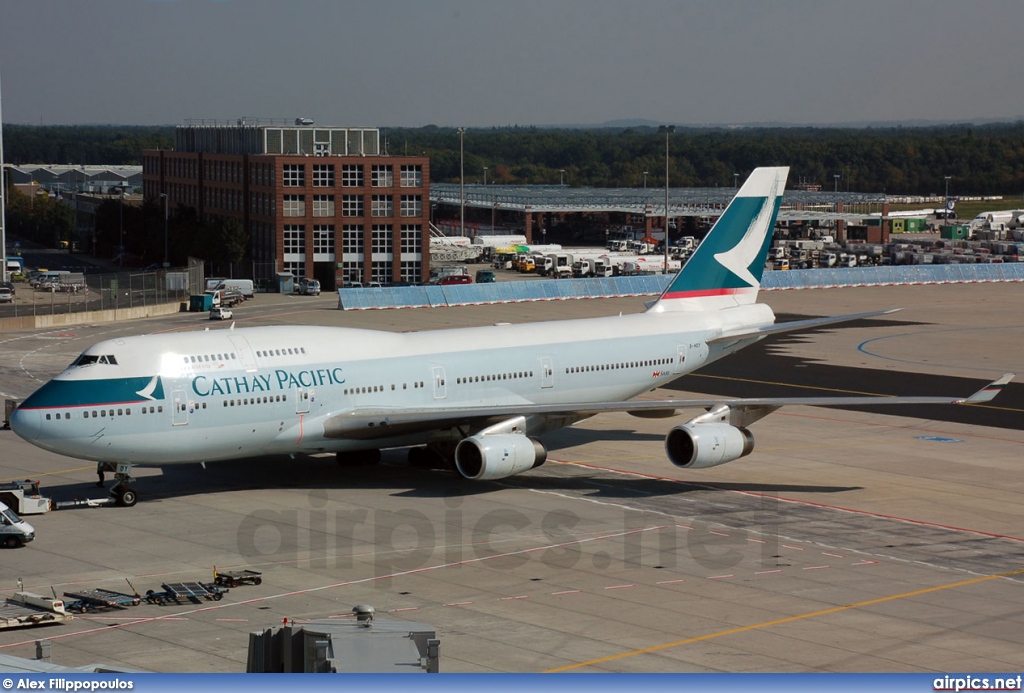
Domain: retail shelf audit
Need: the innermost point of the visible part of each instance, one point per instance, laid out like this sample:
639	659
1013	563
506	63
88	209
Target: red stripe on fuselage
702	293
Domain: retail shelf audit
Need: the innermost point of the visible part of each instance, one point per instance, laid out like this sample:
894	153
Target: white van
308	287
242	286
14	531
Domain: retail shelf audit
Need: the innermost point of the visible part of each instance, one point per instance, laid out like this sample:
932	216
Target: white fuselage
222	394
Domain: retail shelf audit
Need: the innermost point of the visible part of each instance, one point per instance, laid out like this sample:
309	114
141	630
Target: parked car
220	313
456	279
6	295
484	276
308	287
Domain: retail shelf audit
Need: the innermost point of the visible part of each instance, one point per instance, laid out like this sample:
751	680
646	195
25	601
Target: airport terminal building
321	202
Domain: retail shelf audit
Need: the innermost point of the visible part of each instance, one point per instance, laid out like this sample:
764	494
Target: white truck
242	286
14	531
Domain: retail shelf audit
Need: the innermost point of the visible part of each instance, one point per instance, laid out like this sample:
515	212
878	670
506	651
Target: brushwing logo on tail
740	257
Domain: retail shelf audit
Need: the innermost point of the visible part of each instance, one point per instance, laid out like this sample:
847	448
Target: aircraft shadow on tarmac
394	475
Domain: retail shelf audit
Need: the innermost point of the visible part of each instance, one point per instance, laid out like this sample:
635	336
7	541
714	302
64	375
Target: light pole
735	180
668	130
485	175
120	249
561	174
166	263
645	180
836	177
945	216
462	183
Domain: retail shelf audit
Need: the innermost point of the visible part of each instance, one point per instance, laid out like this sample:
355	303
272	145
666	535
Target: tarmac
849	541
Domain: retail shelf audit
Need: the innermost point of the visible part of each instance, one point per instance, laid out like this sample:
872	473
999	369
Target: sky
486	63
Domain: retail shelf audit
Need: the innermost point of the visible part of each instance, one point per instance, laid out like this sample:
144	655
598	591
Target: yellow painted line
780	621
39	476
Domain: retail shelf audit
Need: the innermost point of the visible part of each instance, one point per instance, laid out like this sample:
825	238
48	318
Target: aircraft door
179	408
302	397
440	388
690	356
547	372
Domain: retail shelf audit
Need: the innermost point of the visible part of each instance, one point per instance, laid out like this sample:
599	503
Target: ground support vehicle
26	609
97	599
234	578
24	497
193	592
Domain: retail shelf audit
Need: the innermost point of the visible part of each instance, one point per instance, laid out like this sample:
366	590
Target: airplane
473	398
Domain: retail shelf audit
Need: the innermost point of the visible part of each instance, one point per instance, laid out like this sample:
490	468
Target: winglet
989	392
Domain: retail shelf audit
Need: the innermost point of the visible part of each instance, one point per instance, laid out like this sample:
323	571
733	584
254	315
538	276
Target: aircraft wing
795	325
372	424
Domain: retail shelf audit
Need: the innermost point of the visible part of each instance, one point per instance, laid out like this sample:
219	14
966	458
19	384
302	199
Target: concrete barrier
29	322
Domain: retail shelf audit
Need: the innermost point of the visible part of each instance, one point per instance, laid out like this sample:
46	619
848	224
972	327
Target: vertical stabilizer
726	268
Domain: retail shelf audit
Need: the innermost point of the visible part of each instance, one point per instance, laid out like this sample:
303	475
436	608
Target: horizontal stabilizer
796	325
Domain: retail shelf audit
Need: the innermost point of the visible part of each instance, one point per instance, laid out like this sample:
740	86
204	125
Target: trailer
194	592
234	578
26	609
93	599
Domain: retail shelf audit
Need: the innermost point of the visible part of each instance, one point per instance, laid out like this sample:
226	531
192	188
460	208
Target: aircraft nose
26	423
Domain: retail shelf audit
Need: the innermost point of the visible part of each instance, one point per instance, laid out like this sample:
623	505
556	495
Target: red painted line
757	541
865	562
670	582
721	534
408	608
817	567
833	555
721	577
685	526
232	620
509	599
798	548
459	604
619	587
567	592
768	572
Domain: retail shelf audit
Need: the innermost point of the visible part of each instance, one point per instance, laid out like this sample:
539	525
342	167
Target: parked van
242	286
14	531
308	287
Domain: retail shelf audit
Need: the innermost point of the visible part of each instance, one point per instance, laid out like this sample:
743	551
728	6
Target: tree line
979	159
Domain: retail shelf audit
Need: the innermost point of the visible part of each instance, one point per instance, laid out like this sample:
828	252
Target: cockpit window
90	359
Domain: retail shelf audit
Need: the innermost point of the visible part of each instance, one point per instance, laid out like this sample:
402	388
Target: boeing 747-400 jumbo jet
474	397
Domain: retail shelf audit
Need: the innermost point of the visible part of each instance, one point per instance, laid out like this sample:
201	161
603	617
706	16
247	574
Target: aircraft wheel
126	497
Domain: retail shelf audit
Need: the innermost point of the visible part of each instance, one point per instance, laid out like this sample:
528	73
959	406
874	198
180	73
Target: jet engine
699	446
486	457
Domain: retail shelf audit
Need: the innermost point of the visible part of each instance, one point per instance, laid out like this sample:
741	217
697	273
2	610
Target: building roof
796	204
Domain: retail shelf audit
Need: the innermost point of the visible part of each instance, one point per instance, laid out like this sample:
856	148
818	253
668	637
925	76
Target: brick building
320	202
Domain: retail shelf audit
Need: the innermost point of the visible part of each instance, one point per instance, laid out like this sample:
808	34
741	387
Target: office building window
294	175
294	206
294	238
296	268
412	206
352	205
351	239
412	239
323	205
381	206
352	176
382	176
380	238
412	176
411	271
323	238
323	175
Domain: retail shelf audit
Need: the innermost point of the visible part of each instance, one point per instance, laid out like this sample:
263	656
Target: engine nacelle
486	457
699	446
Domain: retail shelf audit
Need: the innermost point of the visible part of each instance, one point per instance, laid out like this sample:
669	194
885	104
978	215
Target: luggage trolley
234	578
194	592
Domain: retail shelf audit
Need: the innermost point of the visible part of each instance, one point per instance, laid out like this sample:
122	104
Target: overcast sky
511	62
